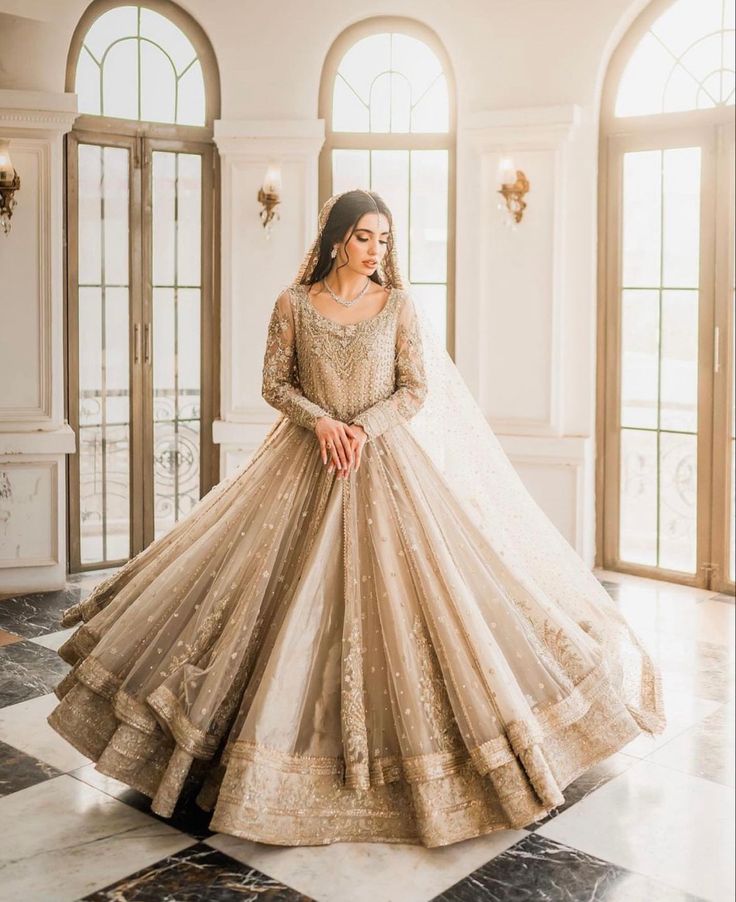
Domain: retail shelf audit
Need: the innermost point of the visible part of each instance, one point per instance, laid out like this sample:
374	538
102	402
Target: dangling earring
334	253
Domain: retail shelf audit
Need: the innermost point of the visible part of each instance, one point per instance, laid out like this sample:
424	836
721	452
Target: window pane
642	198
638	497
350	169
679	377
639	358
104	374
362	63
191	99
189	215
433	300
678	496
164	217
177	192
115	196
390	171
157	105
90	213
87	84
120	81
380	104
681	215
428	216
349	112
120	22
170	37
432	111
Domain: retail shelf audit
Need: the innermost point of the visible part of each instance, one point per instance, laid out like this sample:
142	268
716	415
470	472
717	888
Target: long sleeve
281	386
411	381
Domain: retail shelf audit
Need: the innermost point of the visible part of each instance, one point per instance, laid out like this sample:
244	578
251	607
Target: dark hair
345	214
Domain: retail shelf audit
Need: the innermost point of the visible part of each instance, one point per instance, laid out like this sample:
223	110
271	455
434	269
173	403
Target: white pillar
34	434
255	268
523	302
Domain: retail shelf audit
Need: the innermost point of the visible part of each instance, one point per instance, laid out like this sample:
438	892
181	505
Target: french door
669	355
140	339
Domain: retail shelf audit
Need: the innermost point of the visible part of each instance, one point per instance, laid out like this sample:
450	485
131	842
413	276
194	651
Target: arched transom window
135	63
684	61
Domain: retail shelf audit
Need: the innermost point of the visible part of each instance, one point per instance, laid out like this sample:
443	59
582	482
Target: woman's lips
370	263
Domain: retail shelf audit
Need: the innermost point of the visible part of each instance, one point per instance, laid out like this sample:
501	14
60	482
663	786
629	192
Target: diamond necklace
342	300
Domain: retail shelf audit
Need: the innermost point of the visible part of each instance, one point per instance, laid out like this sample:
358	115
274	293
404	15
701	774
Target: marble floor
653	823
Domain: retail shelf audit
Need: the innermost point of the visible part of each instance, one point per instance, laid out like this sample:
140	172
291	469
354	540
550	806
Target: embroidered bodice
370	372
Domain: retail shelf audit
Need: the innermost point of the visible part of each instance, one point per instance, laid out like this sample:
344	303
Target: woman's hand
335	443
341	444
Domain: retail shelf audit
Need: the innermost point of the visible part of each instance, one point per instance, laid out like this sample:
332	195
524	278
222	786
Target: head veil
453	431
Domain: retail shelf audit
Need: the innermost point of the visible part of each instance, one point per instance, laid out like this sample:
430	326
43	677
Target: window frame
394	140
142	138
706	128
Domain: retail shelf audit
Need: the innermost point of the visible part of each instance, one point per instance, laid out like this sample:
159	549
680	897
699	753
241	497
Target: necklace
344	302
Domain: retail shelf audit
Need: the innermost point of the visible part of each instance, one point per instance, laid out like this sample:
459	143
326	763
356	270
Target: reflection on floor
654	822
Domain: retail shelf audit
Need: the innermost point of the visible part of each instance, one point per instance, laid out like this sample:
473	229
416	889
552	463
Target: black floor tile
19	771
195	875
537	869
28	670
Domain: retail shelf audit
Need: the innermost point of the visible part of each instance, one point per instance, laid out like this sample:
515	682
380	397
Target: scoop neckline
360	322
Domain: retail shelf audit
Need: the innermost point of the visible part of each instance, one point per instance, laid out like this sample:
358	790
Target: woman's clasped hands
340	444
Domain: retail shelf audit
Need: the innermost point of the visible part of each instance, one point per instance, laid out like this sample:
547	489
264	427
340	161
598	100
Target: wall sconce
514	185
269	196
9	184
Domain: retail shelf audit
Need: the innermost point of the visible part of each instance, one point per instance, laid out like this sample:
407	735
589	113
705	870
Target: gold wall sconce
269	197
514	186
9	184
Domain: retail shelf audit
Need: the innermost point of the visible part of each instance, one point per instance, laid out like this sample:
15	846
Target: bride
369	632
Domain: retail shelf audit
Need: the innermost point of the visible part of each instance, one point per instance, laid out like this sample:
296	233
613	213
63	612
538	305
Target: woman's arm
411	380
281	386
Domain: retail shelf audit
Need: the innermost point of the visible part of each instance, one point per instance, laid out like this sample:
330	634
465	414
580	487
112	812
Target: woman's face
365	248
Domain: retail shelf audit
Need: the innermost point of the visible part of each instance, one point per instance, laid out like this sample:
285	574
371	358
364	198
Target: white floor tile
54	640
683	712
62	839
24	727
660	822
368	872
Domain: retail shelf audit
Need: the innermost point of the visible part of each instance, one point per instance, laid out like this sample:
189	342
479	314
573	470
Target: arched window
124	54
667	195
387	98
141	309
683	61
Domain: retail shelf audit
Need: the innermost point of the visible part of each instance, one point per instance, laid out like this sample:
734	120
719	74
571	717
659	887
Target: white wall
528	75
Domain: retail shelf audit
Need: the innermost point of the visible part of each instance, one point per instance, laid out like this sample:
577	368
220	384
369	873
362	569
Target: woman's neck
345	284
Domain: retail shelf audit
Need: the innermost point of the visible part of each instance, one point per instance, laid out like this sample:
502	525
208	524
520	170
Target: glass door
140	340
665	407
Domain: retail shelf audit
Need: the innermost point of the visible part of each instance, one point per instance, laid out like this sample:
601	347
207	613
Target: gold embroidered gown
326	660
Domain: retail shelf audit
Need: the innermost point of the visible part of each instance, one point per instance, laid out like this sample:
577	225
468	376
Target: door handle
136	342
147	342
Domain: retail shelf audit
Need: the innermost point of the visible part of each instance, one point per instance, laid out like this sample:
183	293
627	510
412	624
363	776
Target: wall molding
487	136
246	148
52	468
42	410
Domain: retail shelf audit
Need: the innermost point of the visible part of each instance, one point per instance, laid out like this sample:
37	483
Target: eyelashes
363	241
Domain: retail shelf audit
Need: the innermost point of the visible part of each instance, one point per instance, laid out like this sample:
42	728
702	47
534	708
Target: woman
369	632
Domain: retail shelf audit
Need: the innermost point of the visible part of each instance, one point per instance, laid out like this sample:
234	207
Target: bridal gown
320	659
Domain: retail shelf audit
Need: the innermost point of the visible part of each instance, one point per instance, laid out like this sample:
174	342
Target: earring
334	253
